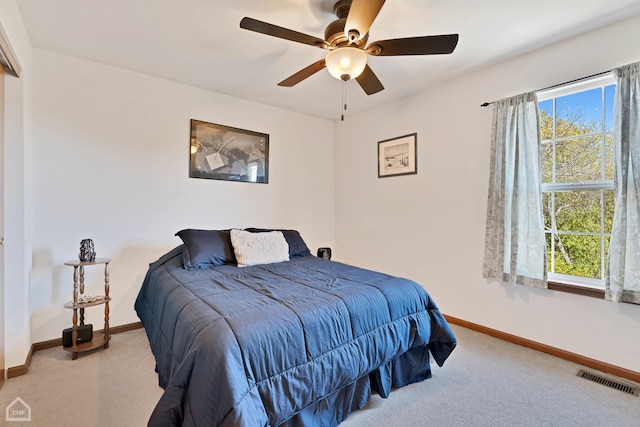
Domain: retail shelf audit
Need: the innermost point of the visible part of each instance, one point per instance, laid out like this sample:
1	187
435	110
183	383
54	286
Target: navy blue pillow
297	246
206	247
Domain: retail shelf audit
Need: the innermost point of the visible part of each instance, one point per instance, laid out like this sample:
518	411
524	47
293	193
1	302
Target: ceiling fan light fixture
345	63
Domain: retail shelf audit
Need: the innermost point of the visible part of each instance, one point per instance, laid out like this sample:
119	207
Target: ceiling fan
346	39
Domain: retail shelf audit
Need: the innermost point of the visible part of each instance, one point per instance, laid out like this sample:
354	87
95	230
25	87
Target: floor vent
625	388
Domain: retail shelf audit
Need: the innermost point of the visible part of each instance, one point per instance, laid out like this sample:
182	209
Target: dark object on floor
85	333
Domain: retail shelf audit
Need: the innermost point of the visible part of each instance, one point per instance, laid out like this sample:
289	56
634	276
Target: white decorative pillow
259	248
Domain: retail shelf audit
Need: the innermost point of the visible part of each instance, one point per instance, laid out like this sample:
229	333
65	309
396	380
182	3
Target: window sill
578	290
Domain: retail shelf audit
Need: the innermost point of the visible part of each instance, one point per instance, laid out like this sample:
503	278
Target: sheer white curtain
515	249
623	272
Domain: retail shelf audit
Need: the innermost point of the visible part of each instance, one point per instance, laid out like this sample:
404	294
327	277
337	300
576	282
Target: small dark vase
87	251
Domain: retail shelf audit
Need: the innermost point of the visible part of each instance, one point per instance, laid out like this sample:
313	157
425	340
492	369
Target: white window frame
600	81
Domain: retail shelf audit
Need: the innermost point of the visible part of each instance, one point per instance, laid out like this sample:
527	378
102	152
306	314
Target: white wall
109	153
111	158
430	226
17	193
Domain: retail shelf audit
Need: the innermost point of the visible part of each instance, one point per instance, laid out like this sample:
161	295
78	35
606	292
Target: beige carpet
486	382
113	387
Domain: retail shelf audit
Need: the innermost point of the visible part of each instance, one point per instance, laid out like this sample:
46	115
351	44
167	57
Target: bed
241	338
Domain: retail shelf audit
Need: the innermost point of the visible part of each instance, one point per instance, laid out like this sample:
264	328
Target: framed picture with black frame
227	153
398	156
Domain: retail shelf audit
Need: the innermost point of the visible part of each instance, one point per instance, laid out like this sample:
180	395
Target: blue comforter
301	342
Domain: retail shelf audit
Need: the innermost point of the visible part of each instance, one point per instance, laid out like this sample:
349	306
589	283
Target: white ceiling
200	43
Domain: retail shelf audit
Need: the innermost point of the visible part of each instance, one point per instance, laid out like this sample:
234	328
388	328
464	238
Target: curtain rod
486	104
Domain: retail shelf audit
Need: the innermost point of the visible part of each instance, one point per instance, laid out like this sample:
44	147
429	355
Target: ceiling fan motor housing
334	33
335	36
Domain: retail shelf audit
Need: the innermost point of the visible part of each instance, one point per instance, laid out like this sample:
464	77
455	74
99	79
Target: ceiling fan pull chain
344	99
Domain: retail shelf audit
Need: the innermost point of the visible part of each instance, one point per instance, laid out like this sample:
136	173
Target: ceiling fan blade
361	15
303	74
426	45
369	82
280	32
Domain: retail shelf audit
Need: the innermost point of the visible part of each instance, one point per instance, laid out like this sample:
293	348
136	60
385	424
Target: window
576	123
